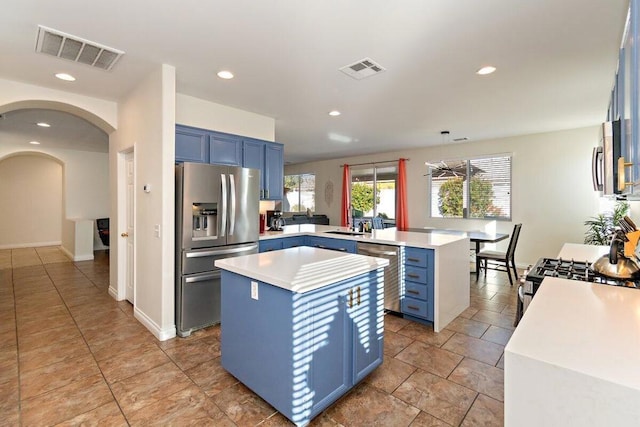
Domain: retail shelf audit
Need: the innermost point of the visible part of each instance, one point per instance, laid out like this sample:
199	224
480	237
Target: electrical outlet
254	290
156	230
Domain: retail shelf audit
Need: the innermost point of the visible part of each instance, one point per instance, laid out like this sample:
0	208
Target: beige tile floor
71	355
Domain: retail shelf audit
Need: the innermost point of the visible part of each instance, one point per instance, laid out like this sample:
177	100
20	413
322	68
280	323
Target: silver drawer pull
413	307
411	291
413	259
413	276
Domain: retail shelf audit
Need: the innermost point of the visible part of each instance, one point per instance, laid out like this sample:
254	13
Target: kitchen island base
300	352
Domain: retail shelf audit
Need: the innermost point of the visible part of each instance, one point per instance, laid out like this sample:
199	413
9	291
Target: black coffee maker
275	220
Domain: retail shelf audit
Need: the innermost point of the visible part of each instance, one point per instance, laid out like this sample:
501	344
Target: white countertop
588	328
580	252
301	269
389	236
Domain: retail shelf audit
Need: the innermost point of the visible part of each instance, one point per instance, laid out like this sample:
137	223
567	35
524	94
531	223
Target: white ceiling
556	62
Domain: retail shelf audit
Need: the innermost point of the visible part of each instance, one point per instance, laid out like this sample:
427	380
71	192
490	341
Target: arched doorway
78	141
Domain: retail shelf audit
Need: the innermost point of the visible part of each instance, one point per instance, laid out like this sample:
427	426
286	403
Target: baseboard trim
85	257
114	293
30	245
157	331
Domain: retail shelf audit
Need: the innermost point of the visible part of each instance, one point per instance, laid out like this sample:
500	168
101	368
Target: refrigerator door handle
217	252
232	203
223	222
204	278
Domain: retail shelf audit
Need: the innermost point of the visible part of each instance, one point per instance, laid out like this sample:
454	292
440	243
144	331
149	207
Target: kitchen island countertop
301	269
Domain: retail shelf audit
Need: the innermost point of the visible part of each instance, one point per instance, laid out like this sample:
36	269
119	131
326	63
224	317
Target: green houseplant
600	228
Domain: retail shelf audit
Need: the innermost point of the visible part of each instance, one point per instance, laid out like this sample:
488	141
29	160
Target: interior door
129	227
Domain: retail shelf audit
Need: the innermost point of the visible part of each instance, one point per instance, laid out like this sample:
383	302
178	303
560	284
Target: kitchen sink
346	233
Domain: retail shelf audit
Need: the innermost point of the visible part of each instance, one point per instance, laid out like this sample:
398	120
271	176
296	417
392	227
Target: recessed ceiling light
66	77
34	143
225	74
486	70
334	113
44	125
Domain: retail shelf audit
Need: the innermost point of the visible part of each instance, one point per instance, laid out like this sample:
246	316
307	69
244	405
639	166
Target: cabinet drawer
416	257
270	245
333	244
415	307
418	308
416	290
415	274
292	242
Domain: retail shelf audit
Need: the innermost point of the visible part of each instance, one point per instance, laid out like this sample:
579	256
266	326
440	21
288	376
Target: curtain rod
374	163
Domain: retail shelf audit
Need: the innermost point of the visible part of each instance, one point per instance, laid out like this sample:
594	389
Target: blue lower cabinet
301	352
333	244
269	245
292	242
417	303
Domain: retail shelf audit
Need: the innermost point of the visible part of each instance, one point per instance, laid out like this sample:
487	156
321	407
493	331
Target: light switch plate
254	290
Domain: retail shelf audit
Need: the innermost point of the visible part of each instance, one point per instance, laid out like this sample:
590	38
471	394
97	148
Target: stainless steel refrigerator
217	216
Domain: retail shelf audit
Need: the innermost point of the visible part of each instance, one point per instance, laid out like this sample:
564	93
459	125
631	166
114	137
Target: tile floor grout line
86	343
15	316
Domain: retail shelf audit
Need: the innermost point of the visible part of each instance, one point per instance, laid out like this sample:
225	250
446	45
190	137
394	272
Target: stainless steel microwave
604	160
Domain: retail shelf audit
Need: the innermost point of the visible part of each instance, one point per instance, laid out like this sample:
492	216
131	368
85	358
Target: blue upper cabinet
192	145
225	149
268	158
207	146
274	171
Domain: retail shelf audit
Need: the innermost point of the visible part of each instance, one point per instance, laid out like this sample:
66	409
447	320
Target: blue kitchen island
301	326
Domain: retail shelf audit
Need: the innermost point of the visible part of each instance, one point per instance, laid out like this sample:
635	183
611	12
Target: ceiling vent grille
362	69
72	48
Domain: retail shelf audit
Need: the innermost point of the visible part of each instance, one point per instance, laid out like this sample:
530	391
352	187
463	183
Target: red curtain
402	210
346	201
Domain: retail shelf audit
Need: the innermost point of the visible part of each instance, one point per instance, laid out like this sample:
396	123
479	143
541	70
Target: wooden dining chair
502	261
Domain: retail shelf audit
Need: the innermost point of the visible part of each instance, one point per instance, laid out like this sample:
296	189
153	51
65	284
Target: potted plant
600	228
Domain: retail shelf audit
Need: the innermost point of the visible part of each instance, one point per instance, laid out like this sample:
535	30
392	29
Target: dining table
478	238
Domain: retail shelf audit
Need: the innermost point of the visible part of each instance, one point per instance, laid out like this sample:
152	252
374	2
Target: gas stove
573	270
564	269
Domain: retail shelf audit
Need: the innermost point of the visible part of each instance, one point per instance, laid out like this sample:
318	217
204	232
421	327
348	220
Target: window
299	193
374	183
472	188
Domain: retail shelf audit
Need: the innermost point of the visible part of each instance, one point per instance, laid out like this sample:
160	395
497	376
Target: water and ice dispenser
205	220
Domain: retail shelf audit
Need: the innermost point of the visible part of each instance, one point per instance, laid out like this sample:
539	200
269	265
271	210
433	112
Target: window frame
375	167
300	192
466	189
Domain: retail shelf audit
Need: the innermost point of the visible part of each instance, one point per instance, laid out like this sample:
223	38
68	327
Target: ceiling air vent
362	69
66	46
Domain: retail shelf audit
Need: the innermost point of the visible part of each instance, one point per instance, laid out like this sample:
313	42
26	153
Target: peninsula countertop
301	269
389	236
573	359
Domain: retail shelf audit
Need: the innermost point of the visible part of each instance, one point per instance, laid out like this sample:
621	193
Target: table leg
477	259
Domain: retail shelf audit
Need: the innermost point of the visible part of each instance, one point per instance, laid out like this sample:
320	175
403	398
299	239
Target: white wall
146	124
203	114
31	194
551	187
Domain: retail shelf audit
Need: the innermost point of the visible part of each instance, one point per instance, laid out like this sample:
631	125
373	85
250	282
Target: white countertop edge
302	269
588	353
388	236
